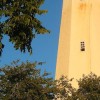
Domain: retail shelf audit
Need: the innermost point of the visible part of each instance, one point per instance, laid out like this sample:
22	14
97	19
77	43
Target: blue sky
44	46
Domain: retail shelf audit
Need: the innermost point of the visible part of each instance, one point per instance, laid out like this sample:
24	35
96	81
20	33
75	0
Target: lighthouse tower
79	40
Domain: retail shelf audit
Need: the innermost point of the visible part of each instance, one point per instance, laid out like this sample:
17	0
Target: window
82	46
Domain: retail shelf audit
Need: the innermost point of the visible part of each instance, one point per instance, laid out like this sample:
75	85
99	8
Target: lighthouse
79	39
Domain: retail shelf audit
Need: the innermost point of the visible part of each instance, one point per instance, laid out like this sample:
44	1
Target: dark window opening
82	46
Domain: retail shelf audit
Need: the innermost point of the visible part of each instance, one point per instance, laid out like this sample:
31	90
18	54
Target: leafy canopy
25	82
21	24
89	87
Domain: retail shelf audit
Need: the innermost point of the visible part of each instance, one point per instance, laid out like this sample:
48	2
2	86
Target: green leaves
25	82
1	44
21	21
89	86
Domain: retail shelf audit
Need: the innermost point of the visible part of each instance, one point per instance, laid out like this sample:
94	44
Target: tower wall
80	61
78	49
95	37
64	40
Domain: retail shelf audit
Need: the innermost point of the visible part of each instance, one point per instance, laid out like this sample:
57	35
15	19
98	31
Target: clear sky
44	46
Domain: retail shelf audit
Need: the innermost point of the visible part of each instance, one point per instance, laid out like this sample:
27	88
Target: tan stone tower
79	40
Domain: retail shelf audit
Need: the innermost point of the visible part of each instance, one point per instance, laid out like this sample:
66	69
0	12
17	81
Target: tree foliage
89	87
21	24
25	82
64	89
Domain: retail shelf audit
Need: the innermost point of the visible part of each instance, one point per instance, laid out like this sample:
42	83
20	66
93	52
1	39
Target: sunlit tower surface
79	39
